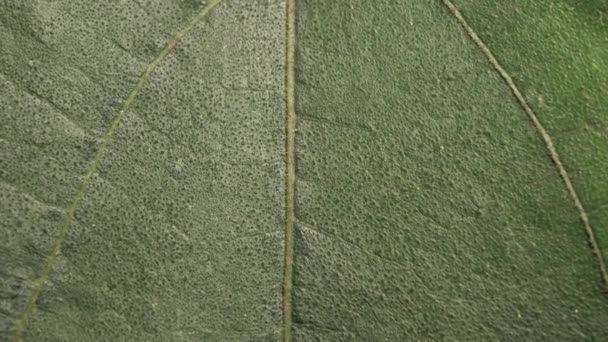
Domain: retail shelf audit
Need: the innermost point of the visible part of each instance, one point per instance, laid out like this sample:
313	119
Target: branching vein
595	249
92	168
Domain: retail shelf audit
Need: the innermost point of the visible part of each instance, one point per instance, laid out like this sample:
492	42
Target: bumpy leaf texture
146	175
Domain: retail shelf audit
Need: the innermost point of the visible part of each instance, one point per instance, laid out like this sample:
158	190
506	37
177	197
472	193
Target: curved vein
595	249
88	176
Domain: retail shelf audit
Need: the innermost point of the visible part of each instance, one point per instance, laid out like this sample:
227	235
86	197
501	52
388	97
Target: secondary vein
595	249
92	168
290	126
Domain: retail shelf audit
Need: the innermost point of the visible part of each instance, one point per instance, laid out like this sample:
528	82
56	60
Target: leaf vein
548	141
87	178
290	127
356	246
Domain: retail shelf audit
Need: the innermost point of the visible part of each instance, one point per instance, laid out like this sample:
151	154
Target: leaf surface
557	52
178	233
428	206
149	190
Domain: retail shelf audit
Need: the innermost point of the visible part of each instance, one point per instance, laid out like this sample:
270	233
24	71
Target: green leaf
565	79
143	158
229	170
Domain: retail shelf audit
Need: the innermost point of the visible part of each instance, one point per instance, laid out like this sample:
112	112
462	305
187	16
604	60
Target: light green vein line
595	249
290	126
87	178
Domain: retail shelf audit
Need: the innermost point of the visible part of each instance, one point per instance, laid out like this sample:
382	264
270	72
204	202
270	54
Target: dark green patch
557	53
428	207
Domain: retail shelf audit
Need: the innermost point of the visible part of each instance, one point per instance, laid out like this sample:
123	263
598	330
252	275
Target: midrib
290	127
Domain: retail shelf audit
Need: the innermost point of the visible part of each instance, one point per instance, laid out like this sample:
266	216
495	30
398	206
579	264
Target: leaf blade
412	150
188	190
